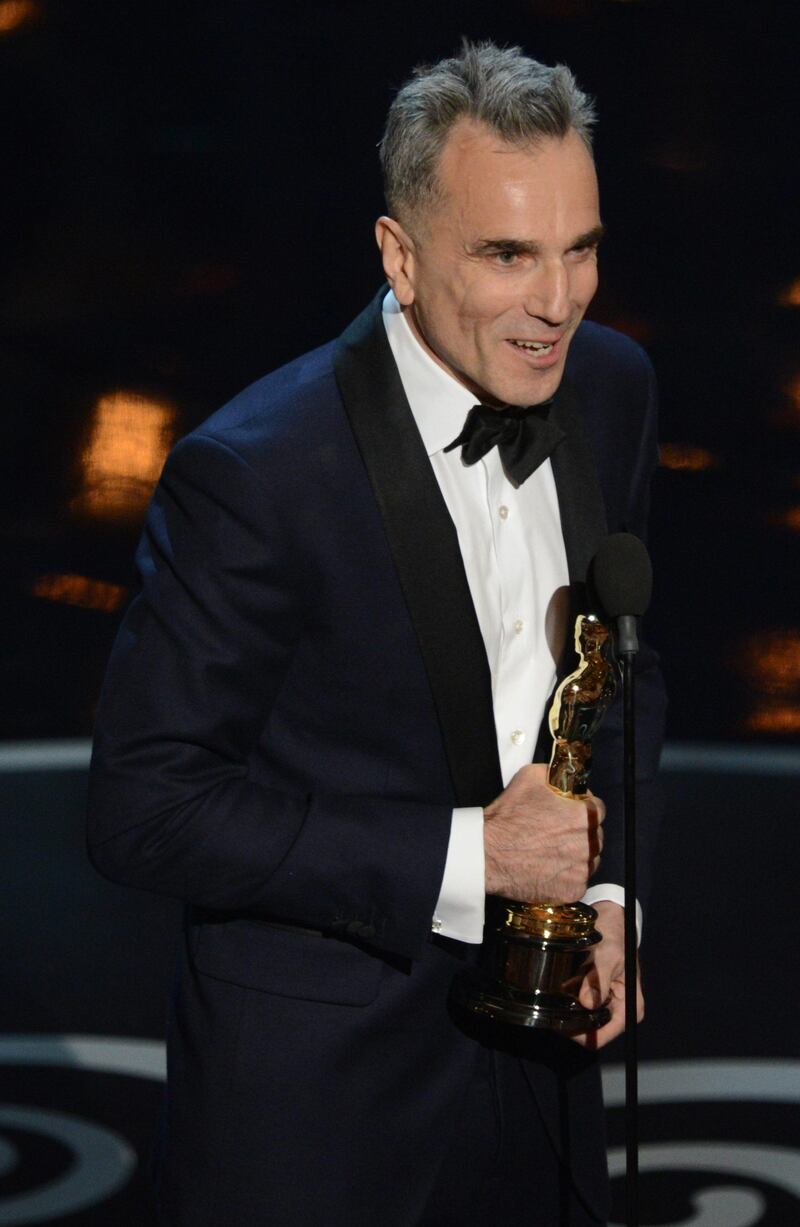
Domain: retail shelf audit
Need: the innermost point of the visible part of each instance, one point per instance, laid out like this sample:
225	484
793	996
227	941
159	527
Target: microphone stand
627	647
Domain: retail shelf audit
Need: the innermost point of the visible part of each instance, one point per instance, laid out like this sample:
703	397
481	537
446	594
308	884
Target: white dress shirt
513	552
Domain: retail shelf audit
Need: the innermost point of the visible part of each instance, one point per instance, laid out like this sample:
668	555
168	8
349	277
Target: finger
593	1040
590	994
609	973
616	1024
617	988
609	1031
595	806
604	1035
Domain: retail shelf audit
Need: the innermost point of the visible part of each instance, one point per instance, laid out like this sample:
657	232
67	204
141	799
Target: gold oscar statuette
534	952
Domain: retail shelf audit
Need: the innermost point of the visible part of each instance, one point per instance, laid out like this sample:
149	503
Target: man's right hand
540	845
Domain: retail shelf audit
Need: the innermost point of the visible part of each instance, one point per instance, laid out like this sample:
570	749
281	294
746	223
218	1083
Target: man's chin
520	390
525	393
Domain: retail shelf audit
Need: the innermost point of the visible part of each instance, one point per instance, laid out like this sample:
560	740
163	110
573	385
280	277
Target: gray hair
521	100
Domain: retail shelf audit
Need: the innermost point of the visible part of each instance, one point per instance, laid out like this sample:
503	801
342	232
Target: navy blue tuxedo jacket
296	700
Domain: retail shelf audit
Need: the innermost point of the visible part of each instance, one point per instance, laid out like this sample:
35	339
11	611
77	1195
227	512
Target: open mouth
536	349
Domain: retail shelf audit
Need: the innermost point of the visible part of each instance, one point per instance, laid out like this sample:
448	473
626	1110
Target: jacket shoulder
280	409
599	350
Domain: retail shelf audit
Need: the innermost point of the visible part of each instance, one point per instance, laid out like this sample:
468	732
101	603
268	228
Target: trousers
500	1167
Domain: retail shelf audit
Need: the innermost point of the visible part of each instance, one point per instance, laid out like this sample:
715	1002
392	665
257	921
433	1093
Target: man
320	715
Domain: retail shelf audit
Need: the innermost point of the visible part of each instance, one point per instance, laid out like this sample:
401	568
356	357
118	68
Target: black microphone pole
623	578
627	646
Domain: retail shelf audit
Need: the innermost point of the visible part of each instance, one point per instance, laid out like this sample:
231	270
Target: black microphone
622	578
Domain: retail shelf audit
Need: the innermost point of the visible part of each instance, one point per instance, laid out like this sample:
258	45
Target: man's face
504	269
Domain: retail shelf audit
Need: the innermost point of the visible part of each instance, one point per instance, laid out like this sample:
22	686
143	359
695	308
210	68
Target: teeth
538	347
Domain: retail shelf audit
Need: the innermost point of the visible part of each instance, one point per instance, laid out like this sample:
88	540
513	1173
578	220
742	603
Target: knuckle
528	772
597	806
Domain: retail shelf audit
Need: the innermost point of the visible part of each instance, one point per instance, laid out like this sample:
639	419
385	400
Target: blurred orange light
687	457
129	438
771	661
787	413
793	400
793	391
783	718
15	13
790	297
80	590
790	518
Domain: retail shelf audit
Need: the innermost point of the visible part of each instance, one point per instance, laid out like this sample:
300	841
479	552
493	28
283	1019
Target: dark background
188	200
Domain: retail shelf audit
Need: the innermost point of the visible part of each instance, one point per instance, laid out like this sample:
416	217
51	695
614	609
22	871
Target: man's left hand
604	979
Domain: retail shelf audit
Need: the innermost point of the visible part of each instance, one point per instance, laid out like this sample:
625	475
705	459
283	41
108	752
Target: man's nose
548	293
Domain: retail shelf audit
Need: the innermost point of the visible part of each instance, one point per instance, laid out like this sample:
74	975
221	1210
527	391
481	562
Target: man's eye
506	257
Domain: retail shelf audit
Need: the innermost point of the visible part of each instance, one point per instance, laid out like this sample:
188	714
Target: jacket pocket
286	962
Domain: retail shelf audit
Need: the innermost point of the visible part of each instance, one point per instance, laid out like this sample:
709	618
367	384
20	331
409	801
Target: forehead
489	184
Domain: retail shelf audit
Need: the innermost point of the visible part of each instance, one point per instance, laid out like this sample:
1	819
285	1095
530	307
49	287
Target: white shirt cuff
460	907
614	894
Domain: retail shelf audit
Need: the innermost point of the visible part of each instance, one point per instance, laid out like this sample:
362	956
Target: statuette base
532	968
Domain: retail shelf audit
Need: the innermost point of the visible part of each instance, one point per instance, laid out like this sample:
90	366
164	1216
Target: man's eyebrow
520	247
528	247
591	238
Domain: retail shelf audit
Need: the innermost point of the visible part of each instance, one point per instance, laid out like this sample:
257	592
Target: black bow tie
523	437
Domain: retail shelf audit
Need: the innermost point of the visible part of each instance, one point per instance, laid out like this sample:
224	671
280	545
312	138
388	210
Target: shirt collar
439	403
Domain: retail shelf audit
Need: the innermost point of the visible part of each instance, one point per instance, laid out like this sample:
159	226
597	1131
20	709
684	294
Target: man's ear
397	254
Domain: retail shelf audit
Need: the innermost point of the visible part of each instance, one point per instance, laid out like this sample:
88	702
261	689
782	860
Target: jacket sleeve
174	805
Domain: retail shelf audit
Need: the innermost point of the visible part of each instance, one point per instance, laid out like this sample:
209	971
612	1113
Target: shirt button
436	925
519	626
518	736
503	512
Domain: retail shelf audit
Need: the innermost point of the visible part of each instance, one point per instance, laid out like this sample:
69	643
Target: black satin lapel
583	526
425	549
580	499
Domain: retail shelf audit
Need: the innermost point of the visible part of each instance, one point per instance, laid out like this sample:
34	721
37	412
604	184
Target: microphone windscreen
622	575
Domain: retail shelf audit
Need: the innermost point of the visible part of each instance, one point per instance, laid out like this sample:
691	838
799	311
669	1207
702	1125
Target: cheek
485	307
447	302
585	284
